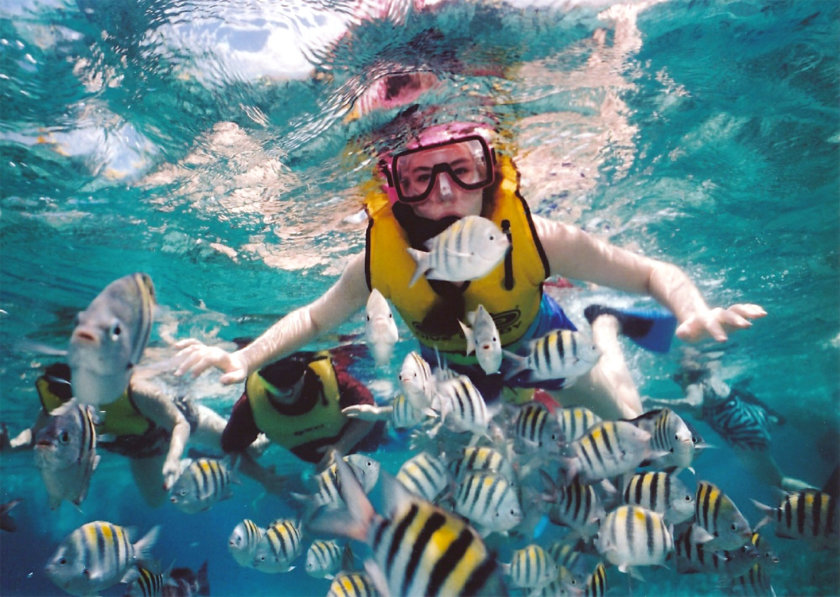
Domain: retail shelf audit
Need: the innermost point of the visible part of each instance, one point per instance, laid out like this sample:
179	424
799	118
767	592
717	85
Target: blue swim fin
652	329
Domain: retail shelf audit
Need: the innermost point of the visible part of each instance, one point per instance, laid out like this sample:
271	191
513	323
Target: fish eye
116	329
62	561
64	437
733	526
182	493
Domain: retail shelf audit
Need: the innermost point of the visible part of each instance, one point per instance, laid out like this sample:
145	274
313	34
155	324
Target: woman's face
447	197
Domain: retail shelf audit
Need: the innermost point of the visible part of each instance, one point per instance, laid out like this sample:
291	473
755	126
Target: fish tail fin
352	521
202	580
468	334
422	260
143	547
520	364
768	514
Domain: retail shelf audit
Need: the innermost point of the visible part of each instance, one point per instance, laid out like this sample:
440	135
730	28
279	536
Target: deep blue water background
205	143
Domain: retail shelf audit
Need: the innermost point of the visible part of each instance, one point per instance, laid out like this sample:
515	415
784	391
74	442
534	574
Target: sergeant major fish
279	547
109	339
575	505
489	501
202	483
417	381
718	521
663	493
380	328
809	514
483	339
670	436
352	584
243	541
97	556
467	250
631	536
608	449
424	475
536	430
531	567
418	548
324	559
65	452
695	557
461	406
575	421
560	354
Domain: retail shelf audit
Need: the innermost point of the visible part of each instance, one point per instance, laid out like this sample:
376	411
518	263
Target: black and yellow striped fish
809	514
419	548
279	547
352	584
661	493
424	475
596	584
531	567
202	483
717	520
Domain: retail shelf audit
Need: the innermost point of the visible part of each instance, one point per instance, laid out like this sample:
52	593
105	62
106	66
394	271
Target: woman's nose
444	187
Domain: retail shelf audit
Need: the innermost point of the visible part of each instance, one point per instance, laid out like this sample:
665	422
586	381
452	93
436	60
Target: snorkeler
445	173
297	402
738	416
137	419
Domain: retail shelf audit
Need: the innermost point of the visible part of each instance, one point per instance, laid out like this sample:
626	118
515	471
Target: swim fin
652	329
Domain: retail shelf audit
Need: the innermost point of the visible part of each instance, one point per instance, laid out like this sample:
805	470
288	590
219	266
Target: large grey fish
65	452
467	250
109	339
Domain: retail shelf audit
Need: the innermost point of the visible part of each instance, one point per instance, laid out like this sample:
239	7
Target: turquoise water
206	144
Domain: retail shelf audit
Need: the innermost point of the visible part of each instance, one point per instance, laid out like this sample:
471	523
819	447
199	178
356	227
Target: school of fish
494	499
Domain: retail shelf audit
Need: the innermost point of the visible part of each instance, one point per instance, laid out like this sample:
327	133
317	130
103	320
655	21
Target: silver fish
481	459
632	536
608	449
424	475
324	559
417	381
560	354
576	506
536	430
109	339
531	567
380	328
695	557
65	452
809	514
575	421
202	483
279	547
718	522
461	406
483	339
243	541
663	493
352	584
96	556
419	548
670	436
467	250
489	501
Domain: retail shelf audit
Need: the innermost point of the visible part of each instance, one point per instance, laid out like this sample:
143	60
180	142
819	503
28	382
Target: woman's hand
195	357
171	471
715	322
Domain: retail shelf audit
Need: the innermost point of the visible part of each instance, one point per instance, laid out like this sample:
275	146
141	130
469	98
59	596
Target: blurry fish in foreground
483	339
109	339
65	452
469	249
178	582
631	536
243	541
97	556
280	545
809	515
380	328
560	354
7	523
419	549
718	522
202	483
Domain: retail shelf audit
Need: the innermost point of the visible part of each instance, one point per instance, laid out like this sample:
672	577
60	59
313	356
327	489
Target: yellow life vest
121	416
321	422
511	293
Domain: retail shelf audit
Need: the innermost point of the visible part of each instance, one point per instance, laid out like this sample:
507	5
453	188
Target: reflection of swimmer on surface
738	416
297	402
442	174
